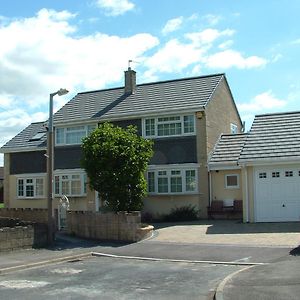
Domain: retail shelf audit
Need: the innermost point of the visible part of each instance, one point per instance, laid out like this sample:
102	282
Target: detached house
184	117
262	168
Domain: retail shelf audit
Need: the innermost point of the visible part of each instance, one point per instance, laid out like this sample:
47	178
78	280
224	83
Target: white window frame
34	179
229	187
156	123
233	128
86	129
59	174
168	169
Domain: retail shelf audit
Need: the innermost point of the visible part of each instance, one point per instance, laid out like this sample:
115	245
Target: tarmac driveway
230	232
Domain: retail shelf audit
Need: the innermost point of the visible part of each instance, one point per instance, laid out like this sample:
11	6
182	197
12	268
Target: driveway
230	232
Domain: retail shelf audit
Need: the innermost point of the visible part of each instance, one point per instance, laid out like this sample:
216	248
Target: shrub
183	213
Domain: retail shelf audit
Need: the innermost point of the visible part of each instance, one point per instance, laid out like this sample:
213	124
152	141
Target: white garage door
277	194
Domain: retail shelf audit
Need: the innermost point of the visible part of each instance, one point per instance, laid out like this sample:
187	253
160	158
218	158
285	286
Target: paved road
106	278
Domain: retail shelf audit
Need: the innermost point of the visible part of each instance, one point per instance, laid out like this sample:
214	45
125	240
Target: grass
1	205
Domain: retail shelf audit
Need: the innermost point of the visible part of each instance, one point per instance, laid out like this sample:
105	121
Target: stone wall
16	234
120	226
26	214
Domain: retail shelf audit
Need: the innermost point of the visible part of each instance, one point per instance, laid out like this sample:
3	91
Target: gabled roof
227	150
24	140
149	98
273	137
177	95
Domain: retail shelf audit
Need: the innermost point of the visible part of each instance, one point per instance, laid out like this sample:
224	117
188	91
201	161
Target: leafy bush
183	213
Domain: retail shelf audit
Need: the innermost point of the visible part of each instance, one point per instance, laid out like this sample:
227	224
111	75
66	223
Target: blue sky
85	45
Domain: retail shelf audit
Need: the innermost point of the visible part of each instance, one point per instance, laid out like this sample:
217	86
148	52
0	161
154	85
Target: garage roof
273	137
228	149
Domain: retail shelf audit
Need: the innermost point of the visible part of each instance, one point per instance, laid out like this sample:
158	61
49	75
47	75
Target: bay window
169	126
72	184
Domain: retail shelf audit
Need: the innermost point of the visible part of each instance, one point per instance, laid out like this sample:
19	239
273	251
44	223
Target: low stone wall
16	234
120	226
26	214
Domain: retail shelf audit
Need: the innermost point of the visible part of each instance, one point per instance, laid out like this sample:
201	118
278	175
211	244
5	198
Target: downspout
210	187
247	195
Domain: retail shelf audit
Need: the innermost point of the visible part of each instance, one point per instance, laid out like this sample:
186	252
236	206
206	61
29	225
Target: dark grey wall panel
125	123
67	157
28	162
174	151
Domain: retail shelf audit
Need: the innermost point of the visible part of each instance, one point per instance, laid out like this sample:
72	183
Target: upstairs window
169	126
72	135
233	128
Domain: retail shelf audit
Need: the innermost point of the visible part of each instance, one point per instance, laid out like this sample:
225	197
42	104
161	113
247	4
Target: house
262	168
184	117
1	184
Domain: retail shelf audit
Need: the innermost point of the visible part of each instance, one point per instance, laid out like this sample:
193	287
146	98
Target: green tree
115	160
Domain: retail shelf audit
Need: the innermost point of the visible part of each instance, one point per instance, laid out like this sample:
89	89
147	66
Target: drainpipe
246	194
210	188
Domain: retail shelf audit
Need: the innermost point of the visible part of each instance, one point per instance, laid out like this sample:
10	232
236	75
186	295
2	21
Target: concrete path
230	232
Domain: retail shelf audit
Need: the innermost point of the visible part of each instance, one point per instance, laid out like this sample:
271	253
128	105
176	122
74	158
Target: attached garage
277	193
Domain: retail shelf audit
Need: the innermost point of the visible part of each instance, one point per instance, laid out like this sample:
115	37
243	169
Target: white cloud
115	7
226	45
208	36
173	57
212	20
172	25
263	101
231	58
43	53
296	42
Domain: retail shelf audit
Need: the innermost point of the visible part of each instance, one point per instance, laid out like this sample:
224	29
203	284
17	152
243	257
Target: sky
85	45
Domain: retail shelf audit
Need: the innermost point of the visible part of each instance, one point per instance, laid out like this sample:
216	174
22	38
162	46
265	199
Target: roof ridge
156	82
278	113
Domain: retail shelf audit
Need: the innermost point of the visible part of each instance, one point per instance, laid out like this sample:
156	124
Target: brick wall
16	234
120	226
25	214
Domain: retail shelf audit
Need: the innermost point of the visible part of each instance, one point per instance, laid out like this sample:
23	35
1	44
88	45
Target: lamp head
62	92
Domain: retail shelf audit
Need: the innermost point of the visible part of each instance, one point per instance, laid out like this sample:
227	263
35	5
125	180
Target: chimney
130	81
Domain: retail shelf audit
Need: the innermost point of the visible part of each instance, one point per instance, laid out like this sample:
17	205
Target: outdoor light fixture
50	150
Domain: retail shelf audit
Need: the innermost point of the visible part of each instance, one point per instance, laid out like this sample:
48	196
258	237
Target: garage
277	193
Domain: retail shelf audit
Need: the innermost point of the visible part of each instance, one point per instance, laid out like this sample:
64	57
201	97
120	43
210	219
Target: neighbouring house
1	184
261	167
184	117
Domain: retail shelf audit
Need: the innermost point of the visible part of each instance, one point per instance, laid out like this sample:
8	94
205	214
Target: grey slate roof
272	137
24	138
179	94
228	149
149	98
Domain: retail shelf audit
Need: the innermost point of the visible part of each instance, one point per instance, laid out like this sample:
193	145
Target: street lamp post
50	150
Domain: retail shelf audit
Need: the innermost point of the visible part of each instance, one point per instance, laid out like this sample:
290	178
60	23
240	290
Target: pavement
268	254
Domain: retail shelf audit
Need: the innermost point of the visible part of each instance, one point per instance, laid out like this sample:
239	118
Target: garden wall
26	214
120	226
16	234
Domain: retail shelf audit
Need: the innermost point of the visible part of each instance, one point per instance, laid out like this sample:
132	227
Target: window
232	181
289	174
70	184
72	135
172	181
275	174
38	136
30	187
169	126
262	175
233	128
